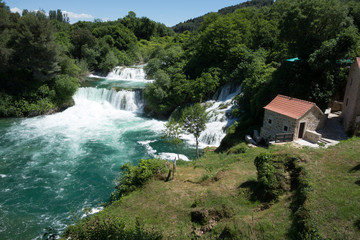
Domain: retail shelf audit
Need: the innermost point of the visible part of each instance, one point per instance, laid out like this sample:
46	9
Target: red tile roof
288	106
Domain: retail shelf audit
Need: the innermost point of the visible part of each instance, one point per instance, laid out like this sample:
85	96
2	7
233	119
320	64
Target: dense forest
43	57
194	24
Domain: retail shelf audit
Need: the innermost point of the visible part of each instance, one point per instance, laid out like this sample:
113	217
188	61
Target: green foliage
135	177
307	24
65	87
238	149
270	177
172	133
303	227
194	24
109	63
33	38
193	120
105	229
20	106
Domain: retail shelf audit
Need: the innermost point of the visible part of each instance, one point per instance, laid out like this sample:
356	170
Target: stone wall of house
351	104
312	136
313	120
277	125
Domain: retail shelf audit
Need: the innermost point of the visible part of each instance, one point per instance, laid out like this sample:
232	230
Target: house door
301	130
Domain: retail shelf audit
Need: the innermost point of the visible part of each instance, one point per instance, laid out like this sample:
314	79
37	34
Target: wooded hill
248	46
194	24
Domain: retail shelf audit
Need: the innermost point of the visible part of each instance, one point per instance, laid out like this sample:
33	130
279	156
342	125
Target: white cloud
72	15
16	10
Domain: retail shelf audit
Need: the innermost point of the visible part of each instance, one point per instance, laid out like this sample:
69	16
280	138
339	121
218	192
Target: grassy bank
215	198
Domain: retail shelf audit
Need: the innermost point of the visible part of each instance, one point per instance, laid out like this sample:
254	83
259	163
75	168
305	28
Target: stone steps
322	140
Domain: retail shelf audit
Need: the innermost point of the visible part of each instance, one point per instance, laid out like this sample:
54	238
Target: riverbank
212	198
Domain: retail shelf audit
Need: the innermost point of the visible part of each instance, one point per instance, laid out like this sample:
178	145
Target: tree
194	120
65	87
35	50
307	24
172	133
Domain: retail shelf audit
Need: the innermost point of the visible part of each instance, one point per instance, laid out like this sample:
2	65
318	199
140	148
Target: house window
347	101
286	128
270	121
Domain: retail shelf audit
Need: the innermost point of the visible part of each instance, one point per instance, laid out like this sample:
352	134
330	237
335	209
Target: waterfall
127	73
123	100
219	112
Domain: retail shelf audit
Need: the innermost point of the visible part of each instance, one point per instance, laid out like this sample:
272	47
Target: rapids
52	167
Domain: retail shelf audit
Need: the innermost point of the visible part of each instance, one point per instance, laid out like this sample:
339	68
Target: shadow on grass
355	169
252	187
357	182
357	224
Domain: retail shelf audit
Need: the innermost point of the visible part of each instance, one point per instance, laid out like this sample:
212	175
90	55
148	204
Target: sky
164	11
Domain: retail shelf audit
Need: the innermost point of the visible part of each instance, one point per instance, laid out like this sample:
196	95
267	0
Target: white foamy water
122	73
162	155
121	100
91	211
53	166
126	73
219	112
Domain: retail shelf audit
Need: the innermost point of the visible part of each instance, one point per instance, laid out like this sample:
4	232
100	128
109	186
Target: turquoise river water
52	167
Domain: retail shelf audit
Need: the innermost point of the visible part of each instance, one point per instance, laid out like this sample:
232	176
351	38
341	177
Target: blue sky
164	11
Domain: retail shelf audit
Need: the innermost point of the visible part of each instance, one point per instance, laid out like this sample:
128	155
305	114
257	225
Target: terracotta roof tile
288	106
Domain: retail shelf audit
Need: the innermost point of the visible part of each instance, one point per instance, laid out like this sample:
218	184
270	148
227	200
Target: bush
240	148
303	225
270	176
65	87
134	177
105	228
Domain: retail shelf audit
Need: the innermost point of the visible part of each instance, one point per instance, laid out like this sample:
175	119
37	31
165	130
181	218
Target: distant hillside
193	24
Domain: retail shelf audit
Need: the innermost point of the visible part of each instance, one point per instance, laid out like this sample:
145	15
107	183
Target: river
52	167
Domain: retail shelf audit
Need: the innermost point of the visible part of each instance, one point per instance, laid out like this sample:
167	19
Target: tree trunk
169	176
197	149
177	151
174	169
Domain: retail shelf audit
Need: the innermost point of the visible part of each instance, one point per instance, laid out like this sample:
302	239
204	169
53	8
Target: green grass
218	188
336	201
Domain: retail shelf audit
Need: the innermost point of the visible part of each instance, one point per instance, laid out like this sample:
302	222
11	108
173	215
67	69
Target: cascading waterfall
219	111
123	100
53	166
125	73
121	77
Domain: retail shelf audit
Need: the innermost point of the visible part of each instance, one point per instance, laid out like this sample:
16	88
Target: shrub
303	226
65	87
240	148
270	176
105	228
134	177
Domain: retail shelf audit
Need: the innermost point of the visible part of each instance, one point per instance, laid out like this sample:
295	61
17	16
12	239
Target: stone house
351	104
292	119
